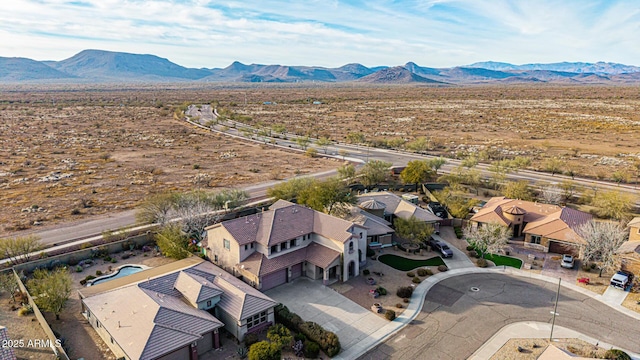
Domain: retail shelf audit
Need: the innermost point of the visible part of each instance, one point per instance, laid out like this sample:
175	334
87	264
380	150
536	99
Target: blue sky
436	33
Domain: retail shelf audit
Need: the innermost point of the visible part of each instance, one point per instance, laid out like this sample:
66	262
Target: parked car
567	261
621	279
437	209
441	248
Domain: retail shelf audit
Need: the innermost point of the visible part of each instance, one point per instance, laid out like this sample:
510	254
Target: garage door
274	279
179	354
206	343
562	248
296	271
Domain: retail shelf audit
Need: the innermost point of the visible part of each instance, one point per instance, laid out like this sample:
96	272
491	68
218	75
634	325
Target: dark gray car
441	248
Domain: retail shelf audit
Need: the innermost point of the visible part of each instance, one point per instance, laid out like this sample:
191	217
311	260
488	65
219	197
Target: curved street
455	320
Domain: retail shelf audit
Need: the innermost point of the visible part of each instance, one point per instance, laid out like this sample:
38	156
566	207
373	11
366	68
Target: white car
567	261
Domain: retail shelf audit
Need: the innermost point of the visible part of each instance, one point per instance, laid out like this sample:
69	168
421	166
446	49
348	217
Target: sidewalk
534	329
418	297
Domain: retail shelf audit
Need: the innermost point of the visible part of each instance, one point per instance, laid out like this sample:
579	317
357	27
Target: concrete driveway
552	268
459	259
325	306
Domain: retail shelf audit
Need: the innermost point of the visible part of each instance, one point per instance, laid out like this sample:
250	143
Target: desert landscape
71	152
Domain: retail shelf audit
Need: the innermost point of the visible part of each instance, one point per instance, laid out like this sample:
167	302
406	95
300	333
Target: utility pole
555	309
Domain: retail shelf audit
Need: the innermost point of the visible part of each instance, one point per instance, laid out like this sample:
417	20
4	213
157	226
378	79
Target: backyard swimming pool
120	272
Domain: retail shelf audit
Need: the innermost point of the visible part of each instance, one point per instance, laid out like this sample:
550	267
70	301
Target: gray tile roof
375	225
195	288
397	206
150	318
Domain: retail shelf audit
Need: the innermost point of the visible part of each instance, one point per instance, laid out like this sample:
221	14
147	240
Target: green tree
413	229
456	200
279	129
518	190
569	189
419	145
355	138
374	172
303	142
469	161
347	172
50	289
620	176
311	152
19	249
613	204
264	350
436	164
554	165
289	190
324	143
416	172
173	242
331	196
488	237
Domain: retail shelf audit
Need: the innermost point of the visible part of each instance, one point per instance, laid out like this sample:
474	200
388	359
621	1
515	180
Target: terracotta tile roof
493	209
635	222
561	225
375	225
394	204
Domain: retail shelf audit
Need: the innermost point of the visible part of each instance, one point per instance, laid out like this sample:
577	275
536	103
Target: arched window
350	247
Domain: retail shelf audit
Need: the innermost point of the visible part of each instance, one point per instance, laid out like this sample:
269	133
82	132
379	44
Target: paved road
455	321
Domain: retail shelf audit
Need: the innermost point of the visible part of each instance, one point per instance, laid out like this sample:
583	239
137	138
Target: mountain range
91	66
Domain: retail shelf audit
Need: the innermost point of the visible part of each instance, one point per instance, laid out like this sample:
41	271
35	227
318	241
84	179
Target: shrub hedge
326	340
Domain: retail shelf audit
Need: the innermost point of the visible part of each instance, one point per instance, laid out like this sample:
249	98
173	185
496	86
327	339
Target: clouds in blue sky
438	33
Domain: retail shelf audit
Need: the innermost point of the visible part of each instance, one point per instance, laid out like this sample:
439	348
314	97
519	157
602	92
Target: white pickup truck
621	279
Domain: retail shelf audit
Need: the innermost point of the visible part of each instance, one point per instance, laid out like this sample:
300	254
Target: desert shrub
470	247
399	305
442	268
416	280
365	272
381	290
482	263
311	349
83	282
299	337
473	253
72	261
593	266
264	350
107	258
279	334
616	354
113	261
404	291
327	340
390	315
242	352
250	339
89	277
585	267
79	268
422	272
411	274
405	300
25	310
98	272
125	256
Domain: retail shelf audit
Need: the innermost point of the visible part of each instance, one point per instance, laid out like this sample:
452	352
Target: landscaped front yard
405	264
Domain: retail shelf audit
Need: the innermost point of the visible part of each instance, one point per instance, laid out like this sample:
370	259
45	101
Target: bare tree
488	238
551	195
156	209
8	283
19	249
602	239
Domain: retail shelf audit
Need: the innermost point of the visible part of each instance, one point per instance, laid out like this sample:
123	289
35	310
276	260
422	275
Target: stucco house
544	227
634	229
175	311
285	242
629	251
388	206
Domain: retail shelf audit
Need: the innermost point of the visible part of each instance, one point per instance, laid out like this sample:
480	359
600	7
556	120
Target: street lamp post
555	309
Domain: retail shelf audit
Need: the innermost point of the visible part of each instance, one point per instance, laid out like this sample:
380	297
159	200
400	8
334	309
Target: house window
274	249
283	246
292	242
252	245
227	244
215	258
208	303
112	340
535	239
256	320
97	324
88	314
350	247
246	247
